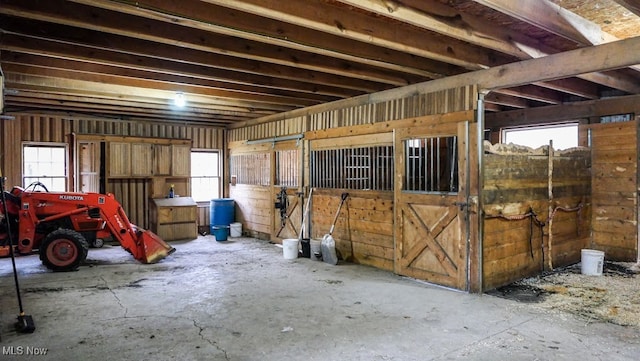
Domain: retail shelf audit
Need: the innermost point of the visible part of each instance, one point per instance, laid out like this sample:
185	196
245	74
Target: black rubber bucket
306	248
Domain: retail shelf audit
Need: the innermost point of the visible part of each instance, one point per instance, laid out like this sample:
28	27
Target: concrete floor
241	300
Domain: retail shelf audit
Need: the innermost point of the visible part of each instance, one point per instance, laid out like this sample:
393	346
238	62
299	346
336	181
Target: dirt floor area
613	297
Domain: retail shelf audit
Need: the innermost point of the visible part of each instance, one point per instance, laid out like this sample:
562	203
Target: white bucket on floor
592	262
236	229
290	248
316	249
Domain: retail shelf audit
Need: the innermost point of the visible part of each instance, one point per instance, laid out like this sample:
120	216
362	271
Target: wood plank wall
615	206
54	128
516	183
254	206
364	227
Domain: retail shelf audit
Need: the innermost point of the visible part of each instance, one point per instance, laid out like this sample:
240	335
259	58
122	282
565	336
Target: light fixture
179	100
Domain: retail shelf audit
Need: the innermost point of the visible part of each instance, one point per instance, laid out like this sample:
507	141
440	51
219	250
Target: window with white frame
205	175
45	163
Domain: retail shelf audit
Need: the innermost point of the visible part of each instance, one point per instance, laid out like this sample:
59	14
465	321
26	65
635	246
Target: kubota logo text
72	198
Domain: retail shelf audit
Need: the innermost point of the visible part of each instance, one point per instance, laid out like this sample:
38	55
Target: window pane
205	175
45	164
204	164
563	136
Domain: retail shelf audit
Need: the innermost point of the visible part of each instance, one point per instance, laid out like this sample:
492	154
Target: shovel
328	245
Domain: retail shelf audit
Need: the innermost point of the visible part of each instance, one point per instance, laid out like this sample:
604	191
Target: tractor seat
12	198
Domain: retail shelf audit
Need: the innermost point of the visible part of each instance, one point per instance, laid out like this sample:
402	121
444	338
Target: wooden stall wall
364	229
364	226
615	196
537	210
133	193
253	197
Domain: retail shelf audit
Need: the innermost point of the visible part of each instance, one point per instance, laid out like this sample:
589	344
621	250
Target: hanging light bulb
179	100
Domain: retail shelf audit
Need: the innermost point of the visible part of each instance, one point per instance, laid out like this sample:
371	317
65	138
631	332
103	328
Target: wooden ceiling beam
165	74
565	112
631	5
610	79
243	71
549	16
574	86
170	86
506	100
325	17
129	88
438	17
225	21
116	109
552	67
533	92
51	92
555	19
429	16
78	15
139	103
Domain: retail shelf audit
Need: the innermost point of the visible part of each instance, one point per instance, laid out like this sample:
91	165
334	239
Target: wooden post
637	265
550	215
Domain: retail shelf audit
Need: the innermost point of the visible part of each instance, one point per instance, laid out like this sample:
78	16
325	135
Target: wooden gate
431	198
287	218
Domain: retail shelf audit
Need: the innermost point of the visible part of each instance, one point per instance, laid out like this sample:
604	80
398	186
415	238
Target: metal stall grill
287	168
431	164
364	168
251	168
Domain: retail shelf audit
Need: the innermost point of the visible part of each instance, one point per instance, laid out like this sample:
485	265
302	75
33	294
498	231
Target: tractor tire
63	250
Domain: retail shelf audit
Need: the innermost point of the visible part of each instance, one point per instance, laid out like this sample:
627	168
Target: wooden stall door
431	219
287	221
286	166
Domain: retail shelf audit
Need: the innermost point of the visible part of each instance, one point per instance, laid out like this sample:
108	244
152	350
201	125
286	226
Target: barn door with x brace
288	201
431	203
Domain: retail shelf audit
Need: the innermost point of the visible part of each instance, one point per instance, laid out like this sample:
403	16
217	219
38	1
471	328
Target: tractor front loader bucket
152	248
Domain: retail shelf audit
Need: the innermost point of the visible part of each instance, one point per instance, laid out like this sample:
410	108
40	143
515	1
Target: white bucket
316	250
290	248
592	262
236	229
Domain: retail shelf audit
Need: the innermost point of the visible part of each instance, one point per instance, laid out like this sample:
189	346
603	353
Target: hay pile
613	297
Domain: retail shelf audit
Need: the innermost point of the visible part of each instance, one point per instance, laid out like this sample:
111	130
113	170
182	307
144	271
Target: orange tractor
61	226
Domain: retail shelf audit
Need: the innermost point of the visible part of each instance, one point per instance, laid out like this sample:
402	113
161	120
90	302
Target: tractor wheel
63	250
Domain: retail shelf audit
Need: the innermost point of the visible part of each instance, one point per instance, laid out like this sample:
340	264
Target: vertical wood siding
49	128
615	205
440	102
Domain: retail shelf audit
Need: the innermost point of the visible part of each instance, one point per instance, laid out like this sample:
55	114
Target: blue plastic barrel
222	212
